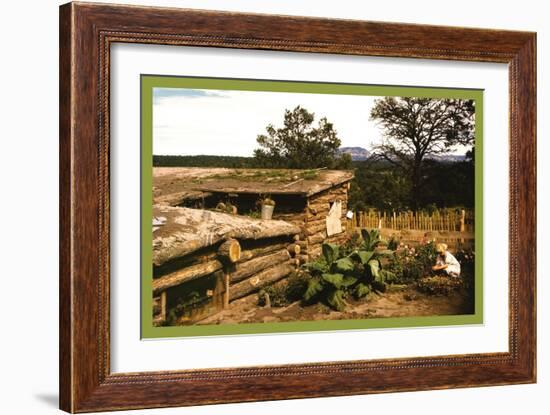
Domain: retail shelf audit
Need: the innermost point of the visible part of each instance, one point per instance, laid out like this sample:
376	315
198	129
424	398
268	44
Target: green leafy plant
371	239
334	277
353	243
373	273
255	214
330	277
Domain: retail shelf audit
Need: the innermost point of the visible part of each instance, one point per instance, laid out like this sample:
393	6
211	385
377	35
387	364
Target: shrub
286	292
277	296
409	263
296	285
393	243
467	260
439	285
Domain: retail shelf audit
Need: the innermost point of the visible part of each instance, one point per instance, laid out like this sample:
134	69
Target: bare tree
416	128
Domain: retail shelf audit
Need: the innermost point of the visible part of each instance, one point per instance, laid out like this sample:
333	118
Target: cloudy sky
216	122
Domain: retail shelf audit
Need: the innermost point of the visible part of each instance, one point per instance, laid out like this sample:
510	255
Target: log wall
317	210
193	287
196	285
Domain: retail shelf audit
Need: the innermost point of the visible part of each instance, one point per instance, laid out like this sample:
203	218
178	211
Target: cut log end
230	251
294	249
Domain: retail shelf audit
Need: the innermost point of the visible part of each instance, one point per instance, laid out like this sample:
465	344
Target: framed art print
302	207
300	271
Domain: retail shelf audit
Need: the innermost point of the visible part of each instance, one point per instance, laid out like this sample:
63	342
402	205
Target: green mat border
148	82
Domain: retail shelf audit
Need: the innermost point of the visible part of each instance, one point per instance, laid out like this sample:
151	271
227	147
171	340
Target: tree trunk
416	183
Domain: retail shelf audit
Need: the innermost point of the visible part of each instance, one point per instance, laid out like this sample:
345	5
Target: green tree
379	185
416	128
299	144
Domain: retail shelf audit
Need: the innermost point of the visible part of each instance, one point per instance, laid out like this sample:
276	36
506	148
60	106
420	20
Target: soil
169	180
403	303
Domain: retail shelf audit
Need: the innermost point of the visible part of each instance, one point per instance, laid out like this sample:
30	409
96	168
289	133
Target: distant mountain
356	153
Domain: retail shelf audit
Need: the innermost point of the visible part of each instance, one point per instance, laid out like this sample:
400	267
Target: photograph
273	202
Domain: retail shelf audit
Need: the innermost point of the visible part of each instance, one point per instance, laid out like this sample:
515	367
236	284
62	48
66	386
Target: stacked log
185	275
263	263
217	267
260	280
317	210
246	269
296	218
248	254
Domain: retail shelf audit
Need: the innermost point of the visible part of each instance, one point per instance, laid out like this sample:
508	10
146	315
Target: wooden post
226	278
462	223
163	305
230	252
229	269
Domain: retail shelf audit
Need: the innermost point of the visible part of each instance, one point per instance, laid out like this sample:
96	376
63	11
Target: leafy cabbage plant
335	276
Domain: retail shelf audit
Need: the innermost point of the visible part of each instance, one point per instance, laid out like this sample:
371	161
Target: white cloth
333	220
453	266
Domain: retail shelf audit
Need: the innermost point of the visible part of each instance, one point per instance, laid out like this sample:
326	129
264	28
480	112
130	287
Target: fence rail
439	220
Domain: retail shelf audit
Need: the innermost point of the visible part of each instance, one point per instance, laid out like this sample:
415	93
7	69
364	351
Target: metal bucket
267	211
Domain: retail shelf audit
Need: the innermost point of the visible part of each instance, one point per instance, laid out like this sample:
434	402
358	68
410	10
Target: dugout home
210	245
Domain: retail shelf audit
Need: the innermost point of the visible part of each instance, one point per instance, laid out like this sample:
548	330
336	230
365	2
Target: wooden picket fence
440	220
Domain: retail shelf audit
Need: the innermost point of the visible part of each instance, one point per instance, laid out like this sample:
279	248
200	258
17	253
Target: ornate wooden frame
86	33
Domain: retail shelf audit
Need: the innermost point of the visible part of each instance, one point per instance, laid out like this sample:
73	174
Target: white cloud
218	122
213	125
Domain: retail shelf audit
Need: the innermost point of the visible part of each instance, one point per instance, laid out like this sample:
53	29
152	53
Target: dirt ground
403	303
